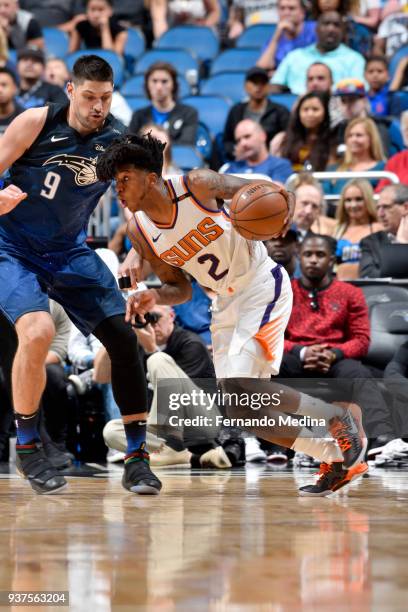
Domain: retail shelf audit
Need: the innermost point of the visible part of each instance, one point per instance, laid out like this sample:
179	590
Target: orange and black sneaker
332	477
346	431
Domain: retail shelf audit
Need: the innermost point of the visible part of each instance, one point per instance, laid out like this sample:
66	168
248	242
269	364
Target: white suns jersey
202	242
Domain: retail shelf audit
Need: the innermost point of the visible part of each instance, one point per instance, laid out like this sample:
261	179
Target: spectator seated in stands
308	142
244	13
377	76
356	218
292	32
100	29
56	72
272	117
178	355
355	104
309	216
398	163
392	212
364	152
169	13
9	108
21	27
180	120
319	78
61	14
329	333
284	250
393	30
366	13
343	61
252	155
34	91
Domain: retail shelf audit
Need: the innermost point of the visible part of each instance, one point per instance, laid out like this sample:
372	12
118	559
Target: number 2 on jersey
51	182
214	265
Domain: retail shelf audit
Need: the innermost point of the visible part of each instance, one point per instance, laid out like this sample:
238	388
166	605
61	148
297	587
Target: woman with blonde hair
364	151
356	218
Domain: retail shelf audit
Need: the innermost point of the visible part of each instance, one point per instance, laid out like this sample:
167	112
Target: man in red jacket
329	333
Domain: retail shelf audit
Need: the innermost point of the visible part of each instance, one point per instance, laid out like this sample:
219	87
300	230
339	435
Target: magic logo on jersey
194	241
84	168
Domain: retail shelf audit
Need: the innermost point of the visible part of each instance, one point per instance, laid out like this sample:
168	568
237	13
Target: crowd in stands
319	86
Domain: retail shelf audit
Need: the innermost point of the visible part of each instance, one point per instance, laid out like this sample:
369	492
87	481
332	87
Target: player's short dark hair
377	58
91	68
331	242
171	71
144	152
110	2
11	74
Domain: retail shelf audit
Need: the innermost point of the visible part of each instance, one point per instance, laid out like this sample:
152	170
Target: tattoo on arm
207	184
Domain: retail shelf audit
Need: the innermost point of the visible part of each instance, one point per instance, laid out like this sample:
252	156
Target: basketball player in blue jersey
51	191
180	224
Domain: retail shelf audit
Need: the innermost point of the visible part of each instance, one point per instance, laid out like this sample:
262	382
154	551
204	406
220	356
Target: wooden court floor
240	540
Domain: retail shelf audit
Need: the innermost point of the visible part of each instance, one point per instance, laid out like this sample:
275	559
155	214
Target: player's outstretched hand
140	303
10	197
291	208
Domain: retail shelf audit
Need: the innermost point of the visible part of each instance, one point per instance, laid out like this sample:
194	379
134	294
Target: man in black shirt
175	354
9	109
272	117
34	91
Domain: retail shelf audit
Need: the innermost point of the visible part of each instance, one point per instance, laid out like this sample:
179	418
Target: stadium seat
186	157
389	329
137	102
230	84
56	42
396	58
212	111
203	141
135	44
285	99
394	132
381	293
135	86
200	41
235	60
115	60
256	36
182	60
399	102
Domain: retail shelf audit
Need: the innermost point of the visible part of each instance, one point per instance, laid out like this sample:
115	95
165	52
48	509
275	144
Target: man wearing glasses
392	212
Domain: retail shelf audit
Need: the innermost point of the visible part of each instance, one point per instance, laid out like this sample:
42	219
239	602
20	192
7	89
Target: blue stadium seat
135	44
56	42
115	60
285	99
135	86
256	36
186	157
182	60
212	111
396	58
394	132
399	102
203	141
235	60
200	41
137	102
230	84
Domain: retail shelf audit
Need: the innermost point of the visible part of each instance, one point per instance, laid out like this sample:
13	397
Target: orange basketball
258	210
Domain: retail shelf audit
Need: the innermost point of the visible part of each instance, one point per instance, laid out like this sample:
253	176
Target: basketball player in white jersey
181	225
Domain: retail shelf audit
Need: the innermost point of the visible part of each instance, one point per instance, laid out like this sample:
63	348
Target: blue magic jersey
58	172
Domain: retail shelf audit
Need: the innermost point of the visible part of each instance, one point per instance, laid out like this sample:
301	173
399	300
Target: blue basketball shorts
76	278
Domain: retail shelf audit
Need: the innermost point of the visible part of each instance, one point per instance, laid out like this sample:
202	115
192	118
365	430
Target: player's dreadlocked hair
144	152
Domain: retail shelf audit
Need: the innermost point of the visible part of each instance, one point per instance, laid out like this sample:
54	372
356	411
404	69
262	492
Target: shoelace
139	455
325	468
340	432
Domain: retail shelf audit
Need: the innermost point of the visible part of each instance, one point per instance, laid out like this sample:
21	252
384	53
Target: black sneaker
39	471
138	476
333	477
57	457
235	450
346	432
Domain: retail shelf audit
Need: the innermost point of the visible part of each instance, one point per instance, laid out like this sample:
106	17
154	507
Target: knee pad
119	339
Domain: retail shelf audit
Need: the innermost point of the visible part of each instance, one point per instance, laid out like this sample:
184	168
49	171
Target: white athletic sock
314	407
323	449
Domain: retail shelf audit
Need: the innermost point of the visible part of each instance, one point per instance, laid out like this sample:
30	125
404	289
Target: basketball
258	210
